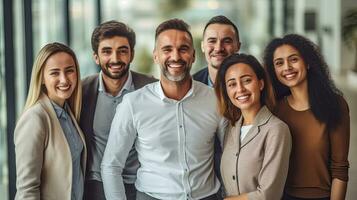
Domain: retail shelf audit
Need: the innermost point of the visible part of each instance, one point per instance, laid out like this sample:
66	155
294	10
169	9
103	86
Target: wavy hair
225	106
36	87
324	97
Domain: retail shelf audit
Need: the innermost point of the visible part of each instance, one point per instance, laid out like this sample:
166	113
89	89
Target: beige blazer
258	166
43	157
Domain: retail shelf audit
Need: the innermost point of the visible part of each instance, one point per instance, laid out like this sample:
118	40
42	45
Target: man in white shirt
172	123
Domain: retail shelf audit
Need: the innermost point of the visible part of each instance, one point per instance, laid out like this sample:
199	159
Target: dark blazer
90	94
201	76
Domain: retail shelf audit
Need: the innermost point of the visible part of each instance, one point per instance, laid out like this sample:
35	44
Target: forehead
285	51
222	30
114	42
59	60
173	37
239	69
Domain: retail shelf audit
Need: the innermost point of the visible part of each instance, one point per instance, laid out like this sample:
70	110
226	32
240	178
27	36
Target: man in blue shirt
172	124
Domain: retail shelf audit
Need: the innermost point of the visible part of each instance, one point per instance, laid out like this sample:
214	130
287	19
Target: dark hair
110	29
176	24
225	106
324	97
220	19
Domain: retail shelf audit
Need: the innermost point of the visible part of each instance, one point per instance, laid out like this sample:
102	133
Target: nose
218	46
240	88
175	55
63	78
115	57
287	65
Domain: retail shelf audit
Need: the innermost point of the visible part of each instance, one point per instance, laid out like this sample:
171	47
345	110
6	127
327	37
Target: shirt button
186	170
234	177
180	126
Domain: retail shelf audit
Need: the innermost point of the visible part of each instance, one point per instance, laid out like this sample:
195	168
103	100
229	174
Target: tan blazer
258	166
43	158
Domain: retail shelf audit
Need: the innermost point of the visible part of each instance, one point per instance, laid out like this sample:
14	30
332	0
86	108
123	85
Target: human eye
54	73
71	70
166	50
231	84
123	51
294	59
227	41
106	51
211	41
278	63
246	80
183	49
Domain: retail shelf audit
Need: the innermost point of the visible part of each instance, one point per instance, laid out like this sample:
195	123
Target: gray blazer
89	101
258	166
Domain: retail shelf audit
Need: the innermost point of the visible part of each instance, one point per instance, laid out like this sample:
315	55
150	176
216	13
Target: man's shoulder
202	89
140	80
89	80
201	75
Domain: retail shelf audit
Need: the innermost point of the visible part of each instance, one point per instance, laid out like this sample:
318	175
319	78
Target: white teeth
175	65
115	67
64	87
243	97
290	76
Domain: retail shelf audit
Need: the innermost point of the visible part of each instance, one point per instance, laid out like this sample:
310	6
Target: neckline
287	103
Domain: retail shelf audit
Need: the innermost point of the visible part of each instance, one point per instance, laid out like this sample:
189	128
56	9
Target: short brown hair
176	24
110	29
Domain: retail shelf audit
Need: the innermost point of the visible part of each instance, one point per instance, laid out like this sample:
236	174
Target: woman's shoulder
37	112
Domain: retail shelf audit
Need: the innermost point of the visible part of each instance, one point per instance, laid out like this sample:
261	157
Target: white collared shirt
174	141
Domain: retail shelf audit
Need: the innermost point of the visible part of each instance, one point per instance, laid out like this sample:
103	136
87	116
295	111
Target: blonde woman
49	145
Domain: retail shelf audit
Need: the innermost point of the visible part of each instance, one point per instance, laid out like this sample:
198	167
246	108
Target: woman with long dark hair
317	115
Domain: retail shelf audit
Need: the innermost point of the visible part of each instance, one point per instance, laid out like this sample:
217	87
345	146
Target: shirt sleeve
272	177
339	144
121	139
30	140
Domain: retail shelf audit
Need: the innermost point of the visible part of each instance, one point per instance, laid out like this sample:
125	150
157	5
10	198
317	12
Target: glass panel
48	22
3	141
143	16
83	20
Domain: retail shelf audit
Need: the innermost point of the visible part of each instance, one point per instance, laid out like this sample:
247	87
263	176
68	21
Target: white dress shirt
174	140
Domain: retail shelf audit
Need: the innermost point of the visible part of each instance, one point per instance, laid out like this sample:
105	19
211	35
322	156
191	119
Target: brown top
317	155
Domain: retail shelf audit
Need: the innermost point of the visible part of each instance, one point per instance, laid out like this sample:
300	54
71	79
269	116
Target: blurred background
27	25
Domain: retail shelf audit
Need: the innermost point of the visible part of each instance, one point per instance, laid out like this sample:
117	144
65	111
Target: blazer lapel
262	118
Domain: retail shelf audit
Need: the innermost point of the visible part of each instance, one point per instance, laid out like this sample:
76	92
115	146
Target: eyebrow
121	47
294	54
54	68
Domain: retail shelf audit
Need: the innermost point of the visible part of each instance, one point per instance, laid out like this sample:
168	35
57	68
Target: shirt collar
60	112
128	85
158	90
210	83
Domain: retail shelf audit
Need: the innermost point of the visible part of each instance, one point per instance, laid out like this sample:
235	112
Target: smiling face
60	77
243	87
175	54
219	41
290	68
114	57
